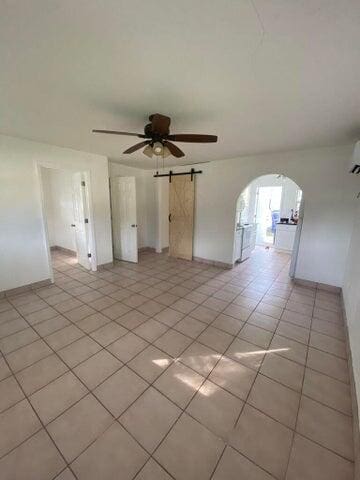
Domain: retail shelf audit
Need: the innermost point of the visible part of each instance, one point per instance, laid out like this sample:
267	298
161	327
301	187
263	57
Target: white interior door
124	224
80	215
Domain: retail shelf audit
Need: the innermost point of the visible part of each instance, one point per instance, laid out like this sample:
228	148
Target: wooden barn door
181	217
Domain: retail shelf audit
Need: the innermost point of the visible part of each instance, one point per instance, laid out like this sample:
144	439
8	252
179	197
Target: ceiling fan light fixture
148	151
157	139
166	152
158	148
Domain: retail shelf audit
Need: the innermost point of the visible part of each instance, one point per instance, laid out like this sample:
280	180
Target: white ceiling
264	75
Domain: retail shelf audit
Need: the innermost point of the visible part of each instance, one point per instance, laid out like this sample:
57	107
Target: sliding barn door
181	217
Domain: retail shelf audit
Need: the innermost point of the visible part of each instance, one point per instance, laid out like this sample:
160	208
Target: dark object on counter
284	220
294	216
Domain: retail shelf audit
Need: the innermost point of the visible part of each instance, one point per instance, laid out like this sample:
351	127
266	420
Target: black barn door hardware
172	174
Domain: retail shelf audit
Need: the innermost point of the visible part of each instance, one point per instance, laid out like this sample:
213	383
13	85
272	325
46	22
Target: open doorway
267	213
67	218
269	216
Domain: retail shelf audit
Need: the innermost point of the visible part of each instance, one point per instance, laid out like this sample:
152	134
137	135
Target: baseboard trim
319	286
354	403
104	266
214	263
152	249
62	249
25	288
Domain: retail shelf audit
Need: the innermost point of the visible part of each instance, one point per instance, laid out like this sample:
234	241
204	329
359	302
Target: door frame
91	225
296	247
265	244
111	189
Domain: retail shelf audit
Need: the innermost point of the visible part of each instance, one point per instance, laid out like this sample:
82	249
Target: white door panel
123	212
80	213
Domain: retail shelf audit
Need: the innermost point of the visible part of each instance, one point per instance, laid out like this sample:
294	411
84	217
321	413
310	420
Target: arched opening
268	219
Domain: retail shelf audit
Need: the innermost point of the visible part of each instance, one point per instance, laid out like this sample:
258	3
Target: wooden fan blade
115	132
192	138
174	150
137	147
160	123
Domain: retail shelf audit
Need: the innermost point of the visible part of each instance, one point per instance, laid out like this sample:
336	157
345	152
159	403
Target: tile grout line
41	423
169	306
90	391
301	393
225	443
168	330
127	332
76	298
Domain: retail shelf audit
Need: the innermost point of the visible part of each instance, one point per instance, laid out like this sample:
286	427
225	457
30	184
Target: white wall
328	196
23	257
351	295
165	214
58	201
162	184
328	191
289	197
48	203
151	198
321	173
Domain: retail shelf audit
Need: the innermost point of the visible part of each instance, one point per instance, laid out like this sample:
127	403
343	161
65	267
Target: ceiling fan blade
115	132
174	149
160	123
192	138
137	147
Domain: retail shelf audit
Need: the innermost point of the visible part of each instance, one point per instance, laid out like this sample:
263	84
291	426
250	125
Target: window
298	200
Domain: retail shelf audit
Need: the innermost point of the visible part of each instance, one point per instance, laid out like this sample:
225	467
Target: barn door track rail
172	174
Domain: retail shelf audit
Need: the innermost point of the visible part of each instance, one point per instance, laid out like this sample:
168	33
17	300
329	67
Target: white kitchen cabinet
245	237
238	244
284	237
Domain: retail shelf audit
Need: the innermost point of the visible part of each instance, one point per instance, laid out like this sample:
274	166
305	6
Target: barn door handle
170	217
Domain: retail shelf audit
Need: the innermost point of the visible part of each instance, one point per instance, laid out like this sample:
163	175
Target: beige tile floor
174	370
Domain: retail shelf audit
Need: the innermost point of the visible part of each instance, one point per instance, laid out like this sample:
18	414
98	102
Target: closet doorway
67	216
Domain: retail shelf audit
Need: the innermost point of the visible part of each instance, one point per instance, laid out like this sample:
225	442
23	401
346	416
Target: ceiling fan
158	138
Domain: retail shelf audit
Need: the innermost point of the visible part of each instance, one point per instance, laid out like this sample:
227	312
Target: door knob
134	225
73	225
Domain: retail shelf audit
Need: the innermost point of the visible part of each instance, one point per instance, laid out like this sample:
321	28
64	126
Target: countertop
284	223
244	225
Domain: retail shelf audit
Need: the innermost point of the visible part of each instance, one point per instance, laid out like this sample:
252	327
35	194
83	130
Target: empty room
179	240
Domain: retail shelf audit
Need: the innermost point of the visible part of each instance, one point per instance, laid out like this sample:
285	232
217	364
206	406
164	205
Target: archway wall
289	193
246	203
329	192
